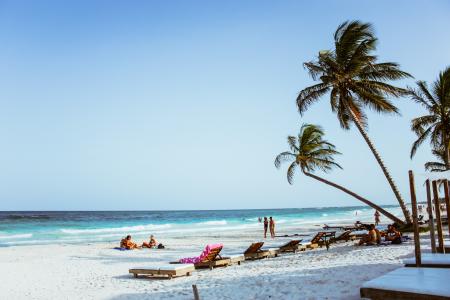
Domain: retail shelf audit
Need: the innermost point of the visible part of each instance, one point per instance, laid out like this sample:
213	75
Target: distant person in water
377	217
259	220
127	243
151	244
266	226
272	227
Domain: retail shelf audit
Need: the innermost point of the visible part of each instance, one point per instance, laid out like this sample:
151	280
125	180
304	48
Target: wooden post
447	203
437	209
412	190
195	290
430	217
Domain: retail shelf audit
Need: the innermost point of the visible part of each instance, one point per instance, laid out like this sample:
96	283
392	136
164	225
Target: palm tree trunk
447	153
383	167
364	200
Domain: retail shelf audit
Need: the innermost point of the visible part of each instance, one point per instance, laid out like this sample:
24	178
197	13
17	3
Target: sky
168	105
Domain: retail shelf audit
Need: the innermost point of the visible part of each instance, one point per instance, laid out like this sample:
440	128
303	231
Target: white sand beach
96	271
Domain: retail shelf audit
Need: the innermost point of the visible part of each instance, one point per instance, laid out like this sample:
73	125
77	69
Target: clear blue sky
184	104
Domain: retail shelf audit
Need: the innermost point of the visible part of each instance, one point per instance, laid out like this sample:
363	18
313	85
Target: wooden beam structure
447	202
412	190
430	217
437	209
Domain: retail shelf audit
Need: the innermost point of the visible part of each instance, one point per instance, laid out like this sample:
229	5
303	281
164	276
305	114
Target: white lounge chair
430	260
169	271
409	283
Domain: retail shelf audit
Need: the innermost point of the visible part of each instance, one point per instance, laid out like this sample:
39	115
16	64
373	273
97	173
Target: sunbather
127	243
151	244
370	238
393	235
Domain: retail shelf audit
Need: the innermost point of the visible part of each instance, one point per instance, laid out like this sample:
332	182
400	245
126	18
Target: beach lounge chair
210	258
291	246
320	239
345	236
430	260
409	283
236	258
168	271
254	252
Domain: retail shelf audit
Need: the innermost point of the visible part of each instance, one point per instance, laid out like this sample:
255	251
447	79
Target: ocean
71	227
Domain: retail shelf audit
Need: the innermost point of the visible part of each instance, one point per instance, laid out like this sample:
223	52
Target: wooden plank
151	272
257	255
430	217
213	264
447	202
437	209
195	291
412	190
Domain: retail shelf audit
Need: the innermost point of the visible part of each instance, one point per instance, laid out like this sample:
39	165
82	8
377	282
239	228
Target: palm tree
355	80
309	152
435	125
439	165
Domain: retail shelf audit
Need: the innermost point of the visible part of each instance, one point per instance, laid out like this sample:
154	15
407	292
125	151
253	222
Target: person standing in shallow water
266	225
377	217
272	227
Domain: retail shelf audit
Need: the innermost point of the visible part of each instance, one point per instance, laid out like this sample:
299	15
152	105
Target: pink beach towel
197	259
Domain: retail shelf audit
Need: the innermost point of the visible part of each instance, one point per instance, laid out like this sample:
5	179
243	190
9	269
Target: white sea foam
213	223
16	236
137	228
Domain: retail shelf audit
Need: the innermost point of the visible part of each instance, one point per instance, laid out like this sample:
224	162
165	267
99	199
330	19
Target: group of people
127	243
268	224
374	236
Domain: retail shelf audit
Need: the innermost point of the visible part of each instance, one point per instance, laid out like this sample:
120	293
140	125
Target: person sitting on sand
378	233
370	238
127	243
151	244
393	235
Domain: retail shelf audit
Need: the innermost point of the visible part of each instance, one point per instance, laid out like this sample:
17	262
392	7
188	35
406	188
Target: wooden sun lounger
236	258
320	239
345	236
291	246
254	252
211	261
167	271
430	260
409	283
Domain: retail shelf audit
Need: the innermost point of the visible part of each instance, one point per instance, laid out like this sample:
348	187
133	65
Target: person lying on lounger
151	244
393	235
370	238
127	243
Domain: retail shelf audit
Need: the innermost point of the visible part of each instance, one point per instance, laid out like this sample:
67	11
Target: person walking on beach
272	227
377	217
266	225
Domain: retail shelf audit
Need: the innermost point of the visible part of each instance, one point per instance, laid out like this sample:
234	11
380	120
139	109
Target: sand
96	271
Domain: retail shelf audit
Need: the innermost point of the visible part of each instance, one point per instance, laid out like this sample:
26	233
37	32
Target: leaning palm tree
355	81
310	152
435	125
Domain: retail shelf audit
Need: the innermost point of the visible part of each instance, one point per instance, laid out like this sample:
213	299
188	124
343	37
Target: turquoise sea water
28	228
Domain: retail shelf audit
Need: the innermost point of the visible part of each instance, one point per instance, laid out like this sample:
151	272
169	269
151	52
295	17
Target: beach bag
161	246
